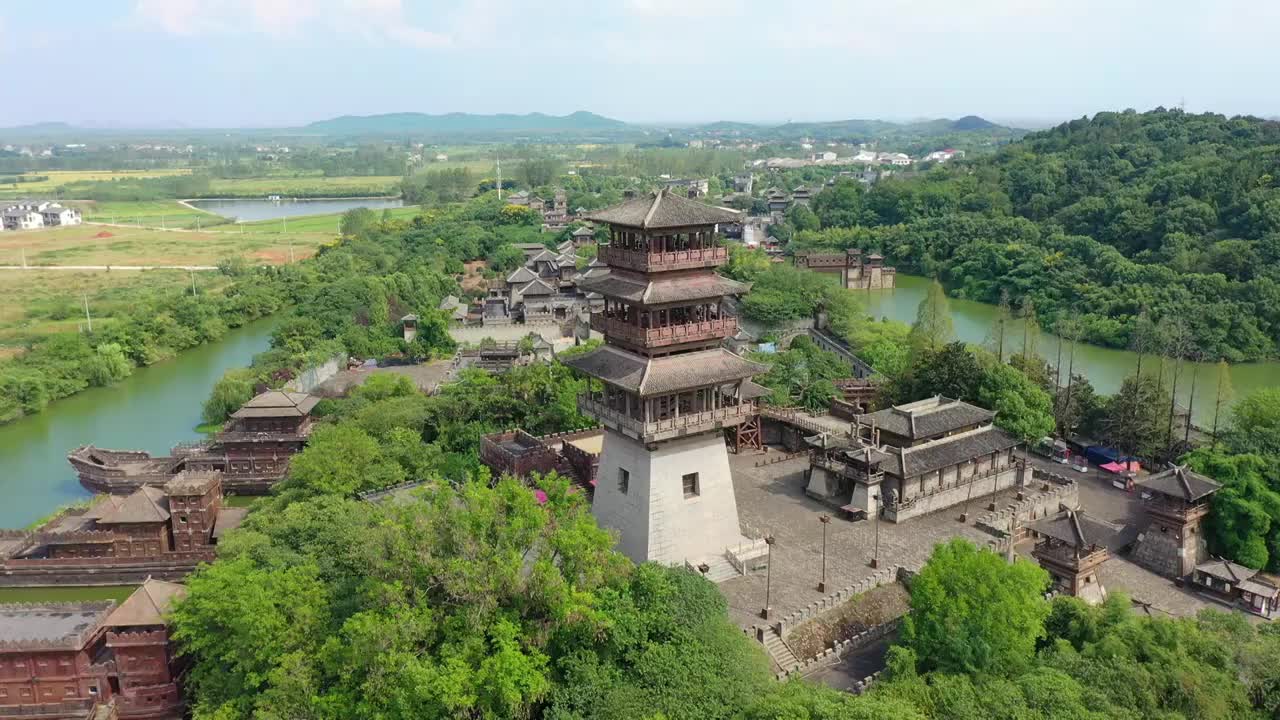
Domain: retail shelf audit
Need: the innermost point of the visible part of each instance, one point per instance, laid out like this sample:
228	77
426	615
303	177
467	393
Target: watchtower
1172	542
666	388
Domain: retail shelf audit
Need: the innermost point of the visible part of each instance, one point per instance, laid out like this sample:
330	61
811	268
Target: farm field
58	178
113	245
38	303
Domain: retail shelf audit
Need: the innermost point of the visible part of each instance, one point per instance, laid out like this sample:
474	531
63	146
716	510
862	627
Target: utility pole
499	161
193	282
290	241
875	556
88	318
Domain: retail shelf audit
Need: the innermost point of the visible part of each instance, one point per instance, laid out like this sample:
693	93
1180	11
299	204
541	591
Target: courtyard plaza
771	501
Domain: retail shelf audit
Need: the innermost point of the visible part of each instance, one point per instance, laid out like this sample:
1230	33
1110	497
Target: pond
249	210
150	410
1106	368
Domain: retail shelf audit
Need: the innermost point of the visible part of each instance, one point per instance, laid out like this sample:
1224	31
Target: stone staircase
779	650
721	570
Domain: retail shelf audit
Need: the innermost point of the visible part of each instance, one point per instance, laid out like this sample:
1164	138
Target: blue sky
232	63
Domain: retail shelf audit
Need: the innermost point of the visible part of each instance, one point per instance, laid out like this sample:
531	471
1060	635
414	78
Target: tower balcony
666	428
644	261
705	330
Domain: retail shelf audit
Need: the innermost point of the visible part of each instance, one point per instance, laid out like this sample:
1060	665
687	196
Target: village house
941	156
56	215
1256	592
252	450
22	219
913	459
91	659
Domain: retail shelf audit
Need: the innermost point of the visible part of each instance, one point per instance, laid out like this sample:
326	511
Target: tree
1022	407
951	371
933	327
1000	327
1244	519
357	221
233	389
1255	424
1222	396
108	365
506	258
1030	326
971	612
340	460
1134	417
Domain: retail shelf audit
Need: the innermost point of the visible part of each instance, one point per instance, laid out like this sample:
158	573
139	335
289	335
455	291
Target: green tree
1222	396
233	389
972	612
1022	407
1255	423
933	327
340	460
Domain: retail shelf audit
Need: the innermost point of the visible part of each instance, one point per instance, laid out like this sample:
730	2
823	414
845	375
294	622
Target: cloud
372	20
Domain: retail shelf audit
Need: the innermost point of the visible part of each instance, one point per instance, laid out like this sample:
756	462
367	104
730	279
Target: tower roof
147	504
1080	530
662	209
661	290
1179	482
664	375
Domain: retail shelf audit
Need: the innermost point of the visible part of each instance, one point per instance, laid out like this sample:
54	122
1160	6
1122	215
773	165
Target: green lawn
320	223
305	186
151	213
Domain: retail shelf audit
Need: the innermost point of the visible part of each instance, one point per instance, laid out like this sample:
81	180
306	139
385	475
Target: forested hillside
1171	213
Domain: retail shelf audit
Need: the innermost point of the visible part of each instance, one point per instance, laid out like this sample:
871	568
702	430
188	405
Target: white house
59	215
22	219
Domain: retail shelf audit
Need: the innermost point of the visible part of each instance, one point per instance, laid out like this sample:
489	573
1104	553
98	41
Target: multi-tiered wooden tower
666	388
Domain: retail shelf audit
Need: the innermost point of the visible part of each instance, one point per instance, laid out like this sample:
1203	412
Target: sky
269	63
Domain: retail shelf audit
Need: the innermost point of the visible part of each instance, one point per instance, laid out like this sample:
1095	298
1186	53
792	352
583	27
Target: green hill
463	123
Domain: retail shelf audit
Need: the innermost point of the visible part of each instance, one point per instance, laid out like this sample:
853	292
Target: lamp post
825	519
875	556
768	576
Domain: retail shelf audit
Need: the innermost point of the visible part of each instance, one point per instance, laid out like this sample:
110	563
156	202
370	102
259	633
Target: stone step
779	651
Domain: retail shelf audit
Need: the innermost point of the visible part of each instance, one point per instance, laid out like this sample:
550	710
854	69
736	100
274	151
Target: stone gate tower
666	386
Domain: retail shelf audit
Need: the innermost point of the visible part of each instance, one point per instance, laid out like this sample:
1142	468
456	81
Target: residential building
1255	591
22	219
55	215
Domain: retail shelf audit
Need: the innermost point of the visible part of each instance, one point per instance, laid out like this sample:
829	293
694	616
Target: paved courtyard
771	500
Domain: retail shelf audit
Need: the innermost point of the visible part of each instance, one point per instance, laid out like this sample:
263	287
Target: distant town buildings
555	212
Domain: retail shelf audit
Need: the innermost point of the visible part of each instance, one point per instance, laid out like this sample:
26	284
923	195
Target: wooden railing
717	329
643	261
685	424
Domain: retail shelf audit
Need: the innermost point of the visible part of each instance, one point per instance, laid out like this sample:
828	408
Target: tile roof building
1172	542
662	386
1071	545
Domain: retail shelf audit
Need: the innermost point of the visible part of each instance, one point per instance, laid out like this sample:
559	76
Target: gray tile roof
1080	530
1179	482
662	209
948	451
147	504
521	275
1226	570
537	287
664	375
927	418
638	289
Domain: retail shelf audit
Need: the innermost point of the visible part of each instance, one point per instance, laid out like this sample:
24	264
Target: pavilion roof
660	210
1179	482
521	275
277	403
147	504
1080	530
661	290
664	375
148	605
1226	570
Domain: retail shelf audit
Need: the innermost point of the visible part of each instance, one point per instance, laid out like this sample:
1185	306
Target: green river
1106	368
150	410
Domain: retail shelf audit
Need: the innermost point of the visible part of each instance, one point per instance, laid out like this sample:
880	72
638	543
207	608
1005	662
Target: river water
150	410
250	210
1106	368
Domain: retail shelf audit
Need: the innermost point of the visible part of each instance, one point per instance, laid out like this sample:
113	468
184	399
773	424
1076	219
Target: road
108	267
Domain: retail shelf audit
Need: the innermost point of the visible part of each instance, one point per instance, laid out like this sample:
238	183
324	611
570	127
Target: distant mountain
728	126
972	122
41	127
462	123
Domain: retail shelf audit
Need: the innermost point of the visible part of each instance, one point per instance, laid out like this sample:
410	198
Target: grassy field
159	213
37	303
320	223
305	185
102	245
58	178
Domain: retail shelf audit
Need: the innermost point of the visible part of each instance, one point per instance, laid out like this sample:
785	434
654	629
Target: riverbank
151	410
1105	368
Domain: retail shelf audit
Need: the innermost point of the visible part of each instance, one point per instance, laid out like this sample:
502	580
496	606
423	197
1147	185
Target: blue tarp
1101	455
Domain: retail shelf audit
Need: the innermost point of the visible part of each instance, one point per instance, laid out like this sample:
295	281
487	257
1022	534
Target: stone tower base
1171	551
652	515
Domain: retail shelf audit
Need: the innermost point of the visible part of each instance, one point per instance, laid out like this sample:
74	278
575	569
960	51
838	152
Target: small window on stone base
624	480
690	483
